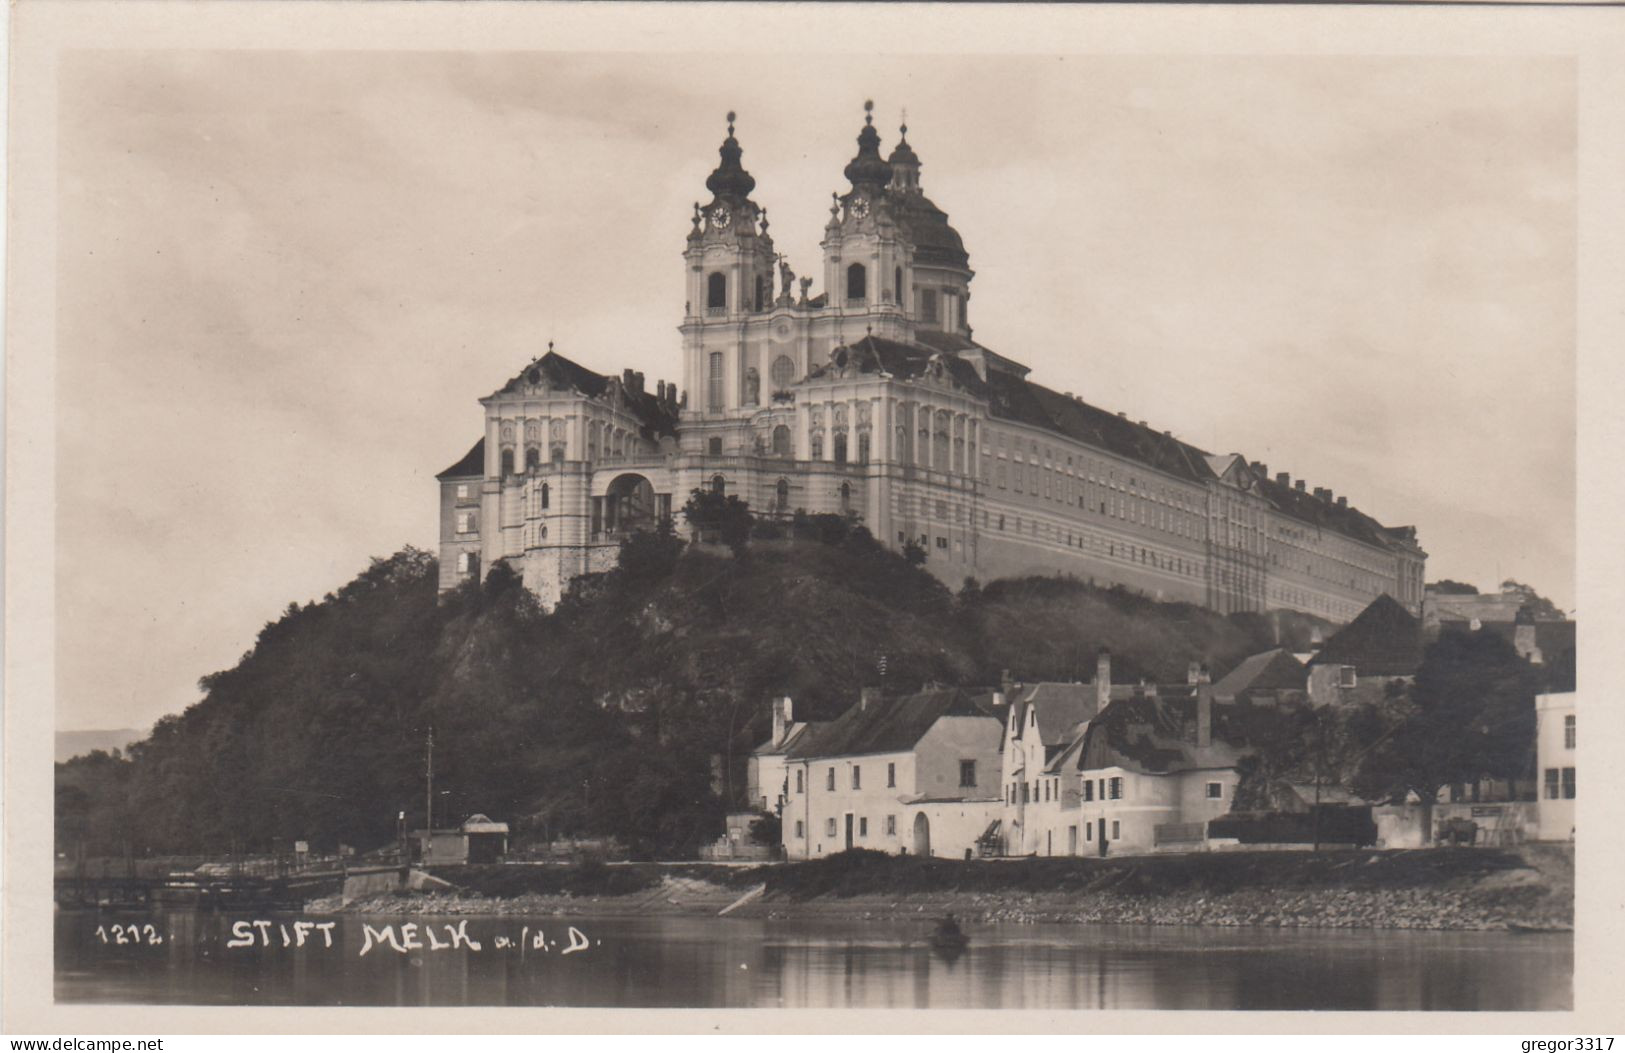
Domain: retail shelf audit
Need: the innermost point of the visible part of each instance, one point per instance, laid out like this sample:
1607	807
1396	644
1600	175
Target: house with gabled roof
1382	646
1266	678
912	774
1147	773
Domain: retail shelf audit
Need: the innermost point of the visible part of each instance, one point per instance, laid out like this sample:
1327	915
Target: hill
603	716
70	744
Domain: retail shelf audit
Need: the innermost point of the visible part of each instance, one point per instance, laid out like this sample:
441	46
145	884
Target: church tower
892	264
729	260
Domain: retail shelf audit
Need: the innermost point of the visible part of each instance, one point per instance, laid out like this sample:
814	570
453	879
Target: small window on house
781	495
719	485
863	826
1117	830
1568	732
547	495
507	463
1089	831
716	291
1088	789
1025	793
857	283
462	491
829	781
840	447
967	773
897	283
1345	676
857	777
891	826
801	831
942	542
1117	788
891	775
465	522
829	827
1215	791
1568	784
533	458
1551	784
781	441
800	781
846	491
713	446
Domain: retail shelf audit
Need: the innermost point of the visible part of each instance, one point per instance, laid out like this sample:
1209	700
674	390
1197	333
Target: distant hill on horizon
71	744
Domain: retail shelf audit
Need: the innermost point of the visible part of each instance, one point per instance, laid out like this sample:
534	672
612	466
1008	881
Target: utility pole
428	803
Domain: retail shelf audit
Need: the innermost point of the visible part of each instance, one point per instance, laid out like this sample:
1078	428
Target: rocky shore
1531	886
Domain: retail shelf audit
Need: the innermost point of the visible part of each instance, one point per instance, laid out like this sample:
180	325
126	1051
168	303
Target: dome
903	154
935	240
730	178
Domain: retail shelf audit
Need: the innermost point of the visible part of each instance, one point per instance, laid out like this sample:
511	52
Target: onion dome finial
867	168
730	178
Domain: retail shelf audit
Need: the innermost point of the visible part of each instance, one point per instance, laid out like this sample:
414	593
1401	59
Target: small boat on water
948	936
1524	930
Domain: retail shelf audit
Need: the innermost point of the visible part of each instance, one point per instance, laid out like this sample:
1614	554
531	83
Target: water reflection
726	962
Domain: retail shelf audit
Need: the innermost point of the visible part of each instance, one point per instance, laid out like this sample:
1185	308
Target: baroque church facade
871	398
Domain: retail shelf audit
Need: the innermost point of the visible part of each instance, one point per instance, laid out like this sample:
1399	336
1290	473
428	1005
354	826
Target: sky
284	279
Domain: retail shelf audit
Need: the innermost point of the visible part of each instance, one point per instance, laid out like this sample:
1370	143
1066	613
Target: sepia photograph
702	526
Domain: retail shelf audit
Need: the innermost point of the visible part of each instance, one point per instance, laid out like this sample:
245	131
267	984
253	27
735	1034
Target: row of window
1110	788
830	829
967	776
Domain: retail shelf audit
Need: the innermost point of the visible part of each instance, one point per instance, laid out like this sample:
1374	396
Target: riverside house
1145	774
917	774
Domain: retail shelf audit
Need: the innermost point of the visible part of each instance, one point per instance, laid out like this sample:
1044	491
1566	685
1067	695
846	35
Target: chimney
1193	672
1204	716
1103	679
682	400
1204	675
781	718
868	695
1342	502
1283	478
1299	485
660	390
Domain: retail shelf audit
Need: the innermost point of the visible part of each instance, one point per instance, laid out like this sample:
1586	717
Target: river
186	958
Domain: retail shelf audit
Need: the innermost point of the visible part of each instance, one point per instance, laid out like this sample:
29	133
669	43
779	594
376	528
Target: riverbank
1531	885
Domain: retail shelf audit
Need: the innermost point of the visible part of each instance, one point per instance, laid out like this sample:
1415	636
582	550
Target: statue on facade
753	386
806	283
787	280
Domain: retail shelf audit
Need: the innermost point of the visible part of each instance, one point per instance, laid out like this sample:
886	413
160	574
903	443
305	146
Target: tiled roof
887	725
562	374
1154	736
1383	640
798	734
473	463
1272	670
1010	396
1061	708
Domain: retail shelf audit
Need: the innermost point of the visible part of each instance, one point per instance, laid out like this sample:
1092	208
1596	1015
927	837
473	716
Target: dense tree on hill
607	715
1538	605
722	515
1453	588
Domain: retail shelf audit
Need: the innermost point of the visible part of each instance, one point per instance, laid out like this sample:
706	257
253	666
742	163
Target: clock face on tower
860	207
720	217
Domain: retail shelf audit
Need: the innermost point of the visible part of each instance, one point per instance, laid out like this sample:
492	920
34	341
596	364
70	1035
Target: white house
1554	755
916	774
1146	773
